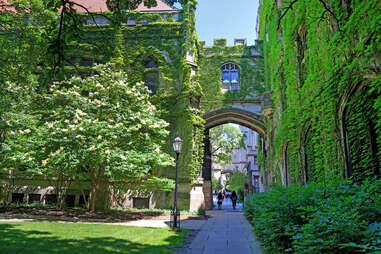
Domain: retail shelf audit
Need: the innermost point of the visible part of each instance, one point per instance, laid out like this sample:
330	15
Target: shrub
340	218
237	183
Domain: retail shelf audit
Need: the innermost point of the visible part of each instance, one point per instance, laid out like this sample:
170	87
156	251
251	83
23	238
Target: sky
228	19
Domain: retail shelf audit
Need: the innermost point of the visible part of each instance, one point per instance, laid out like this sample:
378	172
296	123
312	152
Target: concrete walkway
226	232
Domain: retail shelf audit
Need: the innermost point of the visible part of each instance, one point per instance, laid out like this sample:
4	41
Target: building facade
188	81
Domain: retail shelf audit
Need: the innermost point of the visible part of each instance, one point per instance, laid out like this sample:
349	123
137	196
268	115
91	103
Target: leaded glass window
230	76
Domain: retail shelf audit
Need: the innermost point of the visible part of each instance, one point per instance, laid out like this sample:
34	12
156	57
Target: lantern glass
177	143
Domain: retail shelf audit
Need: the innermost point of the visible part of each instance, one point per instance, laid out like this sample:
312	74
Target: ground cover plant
334	218
52	237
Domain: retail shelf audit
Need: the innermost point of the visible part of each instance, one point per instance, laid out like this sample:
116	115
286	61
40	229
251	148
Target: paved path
227	232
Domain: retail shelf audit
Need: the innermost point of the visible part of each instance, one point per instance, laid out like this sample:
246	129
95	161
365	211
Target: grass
62	238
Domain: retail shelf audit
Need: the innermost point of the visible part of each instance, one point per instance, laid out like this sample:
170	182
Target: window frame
230	69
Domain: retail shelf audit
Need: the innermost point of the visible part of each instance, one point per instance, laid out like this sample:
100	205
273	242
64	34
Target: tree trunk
100	195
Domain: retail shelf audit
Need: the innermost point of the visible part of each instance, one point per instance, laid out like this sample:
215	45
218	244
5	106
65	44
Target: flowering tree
101	129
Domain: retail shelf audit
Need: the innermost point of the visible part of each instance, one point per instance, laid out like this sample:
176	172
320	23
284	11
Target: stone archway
252	120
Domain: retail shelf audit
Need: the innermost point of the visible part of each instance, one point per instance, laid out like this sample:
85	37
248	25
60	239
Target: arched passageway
242	117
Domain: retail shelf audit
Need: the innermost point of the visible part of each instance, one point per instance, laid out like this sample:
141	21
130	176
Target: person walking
234	198
220	198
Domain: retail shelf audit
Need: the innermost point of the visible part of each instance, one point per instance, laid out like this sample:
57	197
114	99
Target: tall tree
101	129
224	138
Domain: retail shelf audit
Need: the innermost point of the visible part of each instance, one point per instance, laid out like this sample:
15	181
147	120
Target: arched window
150	63
230	76
151	74
361	138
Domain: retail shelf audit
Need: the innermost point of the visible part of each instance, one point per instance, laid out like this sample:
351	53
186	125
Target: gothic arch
233	115
214	118
357	99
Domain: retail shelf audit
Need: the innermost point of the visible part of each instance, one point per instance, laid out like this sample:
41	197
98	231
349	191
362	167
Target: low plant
336	218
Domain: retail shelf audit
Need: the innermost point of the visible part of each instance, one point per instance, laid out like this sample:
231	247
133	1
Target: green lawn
53	237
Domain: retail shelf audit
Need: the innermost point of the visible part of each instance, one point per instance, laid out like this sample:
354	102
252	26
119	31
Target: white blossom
44	162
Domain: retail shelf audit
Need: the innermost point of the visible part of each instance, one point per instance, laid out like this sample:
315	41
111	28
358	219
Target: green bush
311	219
216	185
237	183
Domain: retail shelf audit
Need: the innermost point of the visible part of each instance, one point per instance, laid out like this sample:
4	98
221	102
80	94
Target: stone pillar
207	172
197	199
207	164
207	190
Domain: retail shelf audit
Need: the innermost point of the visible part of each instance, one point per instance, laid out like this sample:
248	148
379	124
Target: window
239	41
34	198
150	80
50	199
150	63
70	200
140	203
230	76
142	22
131	23
151	74
97	21
82	200
17	198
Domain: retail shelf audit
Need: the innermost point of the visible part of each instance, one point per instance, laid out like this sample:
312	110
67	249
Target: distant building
244	160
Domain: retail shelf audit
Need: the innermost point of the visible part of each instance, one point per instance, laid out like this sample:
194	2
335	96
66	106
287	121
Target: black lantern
177	144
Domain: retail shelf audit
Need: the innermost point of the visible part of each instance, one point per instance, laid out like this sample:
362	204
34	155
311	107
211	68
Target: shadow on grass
15	240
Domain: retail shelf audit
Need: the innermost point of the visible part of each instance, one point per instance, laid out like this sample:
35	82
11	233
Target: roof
6	7
100	5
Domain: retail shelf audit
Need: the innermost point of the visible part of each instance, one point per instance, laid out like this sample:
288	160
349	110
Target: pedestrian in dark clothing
234	199
220	197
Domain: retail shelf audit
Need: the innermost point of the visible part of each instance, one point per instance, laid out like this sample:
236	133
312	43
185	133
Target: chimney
220	42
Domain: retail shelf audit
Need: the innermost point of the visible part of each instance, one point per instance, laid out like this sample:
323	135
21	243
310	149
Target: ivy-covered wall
171	45
322	68
250	61
157	48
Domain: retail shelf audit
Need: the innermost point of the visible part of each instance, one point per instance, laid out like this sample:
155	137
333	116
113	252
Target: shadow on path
226	232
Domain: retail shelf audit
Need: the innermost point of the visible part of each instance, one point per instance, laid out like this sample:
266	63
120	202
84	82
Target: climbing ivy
251	77
166	40
322	69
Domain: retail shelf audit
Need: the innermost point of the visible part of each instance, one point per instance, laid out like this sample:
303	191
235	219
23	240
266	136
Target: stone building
198	86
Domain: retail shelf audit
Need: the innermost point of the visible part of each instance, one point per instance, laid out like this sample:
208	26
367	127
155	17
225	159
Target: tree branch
330	12
285	11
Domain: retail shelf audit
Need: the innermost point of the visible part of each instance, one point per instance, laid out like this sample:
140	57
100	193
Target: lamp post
177	143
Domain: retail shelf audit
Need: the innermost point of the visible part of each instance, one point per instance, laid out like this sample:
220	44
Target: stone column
197	199
207	172
207	190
